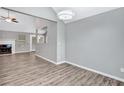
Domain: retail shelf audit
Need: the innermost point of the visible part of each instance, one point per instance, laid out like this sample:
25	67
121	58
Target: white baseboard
98	72
22	52
61	62
49	60
86	68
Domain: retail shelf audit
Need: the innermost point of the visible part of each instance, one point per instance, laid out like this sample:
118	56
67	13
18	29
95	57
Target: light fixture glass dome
66	15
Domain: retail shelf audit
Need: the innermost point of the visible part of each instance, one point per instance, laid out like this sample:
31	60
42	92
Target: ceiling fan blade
2	17
15	21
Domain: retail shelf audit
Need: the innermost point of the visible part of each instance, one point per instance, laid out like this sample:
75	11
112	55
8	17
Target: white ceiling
83	12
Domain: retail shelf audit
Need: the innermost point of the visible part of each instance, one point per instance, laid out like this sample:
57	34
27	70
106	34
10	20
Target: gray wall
97	42
60	41
49	49
19	46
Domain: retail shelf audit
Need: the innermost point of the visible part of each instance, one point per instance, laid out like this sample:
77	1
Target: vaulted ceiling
83	12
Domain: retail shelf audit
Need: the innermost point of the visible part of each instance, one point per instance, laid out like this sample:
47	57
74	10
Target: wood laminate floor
27	69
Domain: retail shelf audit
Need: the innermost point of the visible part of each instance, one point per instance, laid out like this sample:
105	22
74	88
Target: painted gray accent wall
60	41
97	42
49	49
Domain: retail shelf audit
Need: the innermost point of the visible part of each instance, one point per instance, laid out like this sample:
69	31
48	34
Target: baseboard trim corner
61	62
49	60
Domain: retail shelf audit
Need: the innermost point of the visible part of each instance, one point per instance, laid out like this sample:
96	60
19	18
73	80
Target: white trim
61	62
92	70
49	60
32	35
22	52
86	68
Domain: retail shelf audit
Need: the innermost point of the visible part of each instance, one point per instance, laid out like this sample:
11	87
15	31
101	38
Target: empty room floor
28	70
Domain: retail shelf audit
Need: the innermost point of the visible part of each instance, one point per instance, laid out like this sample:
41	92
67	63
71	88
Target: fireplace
5	48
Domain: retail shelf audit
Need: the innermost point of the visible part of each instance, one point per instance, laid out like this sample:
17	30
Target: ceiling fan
9	19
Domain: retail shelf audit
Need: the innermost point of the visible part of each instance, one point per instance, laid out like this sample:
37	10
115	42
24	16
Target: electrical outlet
122	69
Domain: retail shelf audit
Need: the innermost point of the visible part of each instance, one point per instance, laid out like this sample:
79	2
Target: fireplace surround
5	48
10	44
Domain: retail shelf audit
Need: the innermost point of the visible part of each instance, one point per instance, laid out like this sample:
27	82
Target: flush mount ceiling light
66	15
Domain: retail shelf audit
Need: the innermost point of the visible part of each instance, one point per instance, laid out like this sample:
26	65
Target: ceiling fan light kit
9	19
